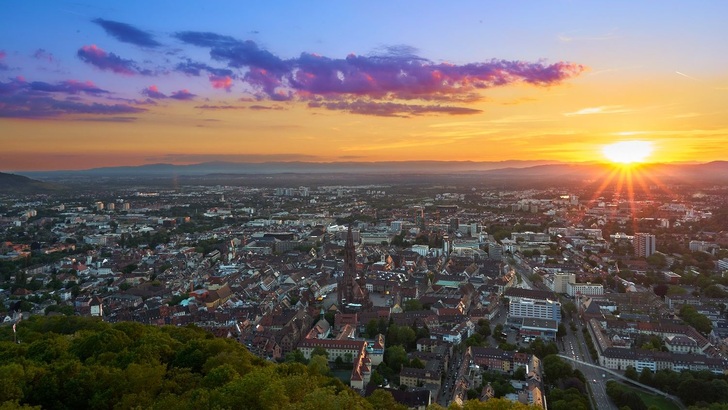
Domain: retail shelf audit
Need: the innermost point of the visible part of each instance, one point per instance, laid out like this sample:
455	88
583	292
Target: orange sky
122	88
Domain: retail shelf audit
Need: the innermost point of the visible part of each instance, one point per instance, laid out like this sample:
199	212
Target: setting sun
627	152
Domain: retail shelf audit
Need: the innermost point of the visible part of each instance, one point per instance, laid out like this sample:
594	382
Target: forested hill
81	363
11	184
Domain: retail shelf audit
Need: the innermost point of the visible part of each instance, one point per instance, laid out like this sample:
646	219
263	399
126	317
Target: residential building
644	244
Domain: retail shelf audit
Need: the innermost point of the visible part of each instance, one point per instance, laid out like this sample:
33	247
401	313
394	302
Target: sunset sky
88	84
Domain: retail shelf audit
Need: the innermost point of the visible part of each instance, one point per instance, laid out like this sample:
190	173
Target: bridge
621	377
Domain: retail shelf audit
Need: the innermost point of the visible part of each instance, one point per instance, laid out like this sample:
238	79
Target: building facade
644	244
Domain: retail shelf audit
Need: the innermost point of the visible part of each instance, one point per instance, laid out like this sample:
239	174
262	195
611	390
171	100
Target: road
573	346
611	374
447	389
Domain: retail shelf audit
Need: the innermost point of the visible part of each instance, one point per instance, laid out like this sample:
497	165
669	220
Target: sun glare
627	152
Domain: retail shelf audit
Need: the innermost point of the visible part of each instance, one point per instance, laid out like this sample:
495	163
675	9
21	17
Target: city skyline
84	85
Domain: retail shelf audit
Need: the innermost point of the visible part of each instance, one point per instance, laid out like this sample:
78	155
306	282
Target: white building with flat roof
585	289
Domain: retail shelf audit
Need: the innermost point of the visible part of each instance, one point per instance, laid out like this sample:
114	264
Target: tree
646	376
395	357
555	368
416	363
320	351
475	340
562	330
129	268
657	260
484	328
412	304
381	399
631	373
714	291
372	328
296	356
318	365
519	373
497	331
660	289
376	379
129	365
695	319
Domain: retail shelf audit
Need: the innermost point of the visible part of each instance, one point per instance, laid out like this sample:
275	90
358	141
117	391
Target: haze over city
88	84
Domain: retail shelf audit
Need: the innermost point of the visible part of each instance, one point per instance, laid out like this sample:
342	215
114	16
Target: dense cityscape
339	205
436	294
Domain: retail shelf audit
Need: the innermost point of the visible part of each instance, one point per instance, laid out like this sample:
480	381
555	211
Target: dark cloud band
127	33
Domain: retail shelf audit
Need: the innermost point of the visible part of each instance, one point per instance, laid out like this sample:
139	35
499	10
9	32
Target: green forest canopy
73	362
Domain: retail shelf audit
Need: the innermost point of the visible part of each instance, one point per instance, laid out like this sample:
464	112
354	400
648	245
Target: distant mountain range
18	184
504	172
208	168
677	173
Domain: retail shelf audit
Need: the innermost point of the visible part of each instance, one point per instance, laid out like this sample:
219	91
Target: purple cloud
247	54
390	109
41	54
3	66
68	87
153	92
265	107
194	68
183	95
206	39
119	119
127	33
398	73
234	52
219	107
22	99
108	61
408	77
44	107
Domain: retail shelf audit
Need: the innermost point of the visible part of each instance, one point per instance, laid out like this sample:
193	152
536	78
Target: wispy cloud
194	68
68	87
110	119
3	66
219	107
127	33
22	99
43	55
686	76
391	109
265	107
604	109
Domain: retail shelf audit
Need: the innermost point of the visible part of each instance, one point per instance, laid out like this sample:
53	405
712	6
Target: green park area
653	401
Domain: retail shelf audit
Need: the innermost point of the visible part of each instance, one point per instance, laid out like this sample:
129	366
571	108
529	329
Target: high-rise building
644	244
351	290
559	282
495	251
